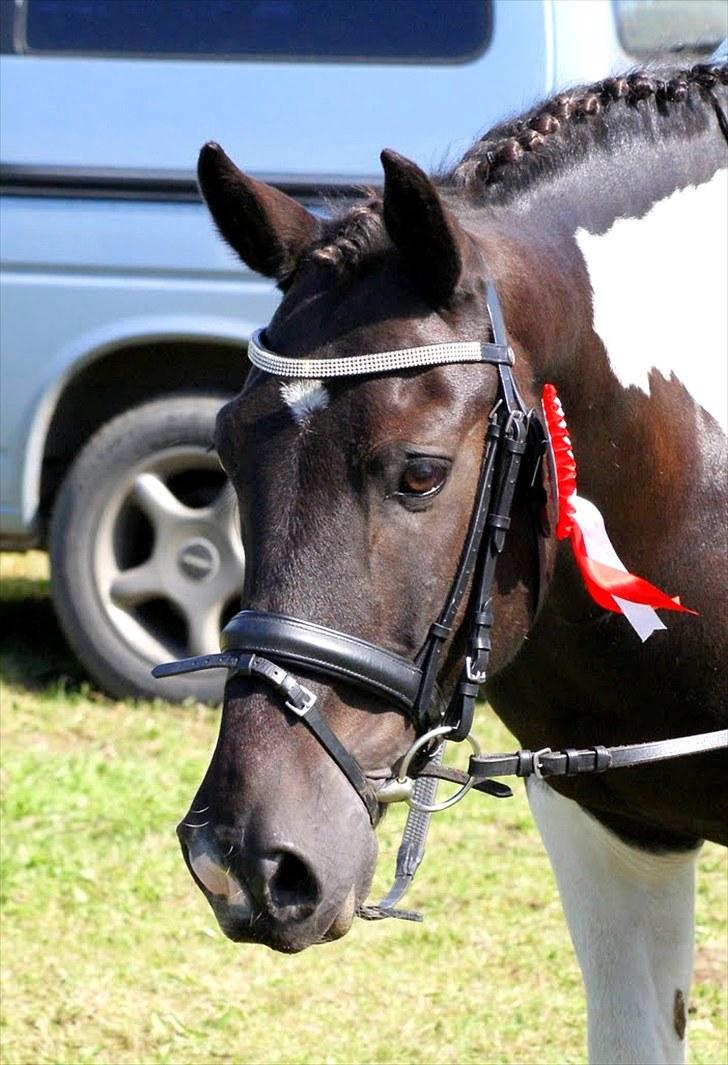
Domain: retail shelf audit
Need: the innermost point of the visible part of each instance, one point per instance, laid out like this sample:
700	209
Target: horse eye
422	477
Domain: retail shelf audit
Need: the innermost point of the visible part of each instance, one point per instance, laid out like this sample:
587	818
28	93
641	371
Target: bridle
259	644
262	645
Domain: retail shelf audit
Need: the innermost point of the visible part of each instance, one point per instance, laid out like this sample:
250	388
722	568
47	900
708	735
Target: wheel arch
107	378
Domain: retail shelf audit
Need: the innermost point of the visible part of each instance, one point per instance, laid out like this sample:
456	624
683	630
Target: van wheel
146	558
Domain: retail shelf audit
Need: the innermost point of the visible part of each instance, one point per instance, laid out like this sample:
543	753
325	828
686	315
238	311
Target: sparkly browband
379	362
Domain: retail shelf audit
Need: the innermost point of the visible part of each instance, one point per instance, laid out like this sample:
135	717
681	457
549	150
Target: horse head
355	498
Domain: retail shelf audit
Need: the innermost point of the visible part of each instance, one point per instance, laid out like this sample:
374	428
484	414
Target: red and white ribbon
607	579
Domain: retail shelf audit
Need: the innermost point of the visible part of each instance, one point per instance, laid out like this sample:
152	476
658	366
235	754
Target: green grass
111	955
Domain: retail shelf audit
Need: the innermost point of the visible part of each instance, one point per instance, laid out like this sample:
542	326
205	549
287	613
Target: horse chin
343	920
240	924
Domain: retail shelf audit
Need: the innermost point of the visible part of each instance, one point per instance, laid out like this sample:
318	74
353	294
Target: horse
580	246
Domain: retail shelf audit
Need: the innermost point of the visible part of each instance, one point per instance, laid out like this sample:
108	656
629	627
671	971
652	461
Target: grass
111	955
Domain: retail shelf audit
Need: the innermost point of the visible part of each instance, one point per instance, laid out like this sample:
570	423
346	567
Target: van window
651	27
408	30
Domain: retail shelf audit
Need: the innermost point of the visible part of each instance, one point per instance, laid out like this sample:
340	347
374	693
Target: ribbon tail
607	579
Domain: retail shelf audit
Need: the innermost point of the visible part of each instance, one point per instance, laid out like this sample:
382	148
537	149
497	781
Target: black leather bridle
254	643
264	645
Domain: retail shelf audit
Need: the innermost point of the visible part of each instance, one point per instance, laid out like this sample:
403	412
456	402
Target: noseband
259	644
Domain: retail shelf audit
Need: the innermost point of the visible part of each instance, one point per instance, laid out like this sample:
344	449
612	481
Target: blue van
125	318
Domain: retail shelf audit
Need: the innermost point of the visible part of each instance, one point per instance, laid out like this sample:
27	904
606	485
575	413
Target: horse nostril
293	884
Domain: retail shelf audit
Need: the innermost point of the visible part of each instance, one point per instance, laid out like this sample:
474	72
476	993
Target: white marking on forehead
660	285
304	397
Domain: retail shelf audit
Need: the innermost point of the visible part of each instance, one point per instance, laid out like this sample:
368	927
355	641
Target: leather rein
263	645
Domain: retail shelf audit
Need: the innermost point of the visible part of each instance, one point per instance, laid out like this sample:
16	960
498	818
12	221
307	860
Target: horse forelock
352	238
567	128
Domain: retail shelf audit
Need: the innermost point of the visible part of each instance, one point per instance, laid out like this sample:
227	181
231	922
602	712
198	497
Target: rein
252	636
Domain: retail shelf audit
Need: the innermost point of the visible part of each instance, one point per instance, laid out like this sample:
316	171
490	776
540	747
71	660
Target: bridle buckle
475	676
537	767
308	701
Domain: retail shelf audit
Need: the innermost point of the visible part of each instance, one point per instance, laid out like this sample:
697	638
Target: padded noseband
326	651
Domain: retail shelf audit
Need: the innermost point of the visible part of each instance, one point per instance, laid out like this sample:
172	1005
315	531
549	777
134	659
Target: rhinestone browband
378	362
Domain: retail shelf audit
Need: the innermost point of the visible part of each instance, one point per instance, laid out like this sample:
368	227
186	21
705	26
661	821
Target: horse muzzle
271	895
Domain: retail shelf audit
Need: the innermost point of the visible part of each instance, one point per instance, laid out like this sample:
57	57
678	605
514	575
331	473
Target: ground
110	954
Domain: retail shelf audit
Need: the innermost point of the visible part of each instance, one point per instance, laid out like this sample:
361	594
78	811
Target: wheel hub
198	559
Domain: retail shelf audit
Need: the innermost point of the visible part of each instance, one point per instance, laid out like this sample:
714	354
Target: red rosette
564	461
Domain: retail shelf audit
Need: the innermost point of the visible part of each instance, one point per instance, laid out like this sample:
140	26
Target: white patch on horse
631	918
659	285
304	398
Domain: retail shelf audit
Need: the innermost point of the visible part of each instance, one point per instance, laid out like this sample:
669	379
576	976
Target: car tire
146	558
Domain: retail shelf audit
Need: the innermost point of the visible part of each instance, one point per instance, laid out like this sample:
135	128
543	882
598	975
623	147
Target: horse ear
422	228
267	229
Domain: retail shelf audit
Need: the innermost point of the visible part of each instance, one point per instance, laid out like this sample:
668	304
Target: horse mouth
280	921
241	924
343	920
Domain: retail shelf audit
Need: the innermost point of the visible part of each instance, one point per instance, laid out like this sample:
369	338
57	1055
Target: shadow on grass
33	651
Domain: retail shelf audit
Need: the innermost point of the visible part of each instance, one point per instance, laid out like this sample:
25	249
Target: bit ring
420	742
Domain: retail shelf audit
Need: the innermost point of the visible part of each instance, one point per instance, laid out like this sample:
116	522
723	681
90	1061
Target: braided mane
564	129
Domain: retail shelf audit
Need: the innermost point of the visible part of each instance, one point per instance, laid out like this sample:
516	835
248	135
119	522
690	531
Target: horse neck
622	437
528	237
544	289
